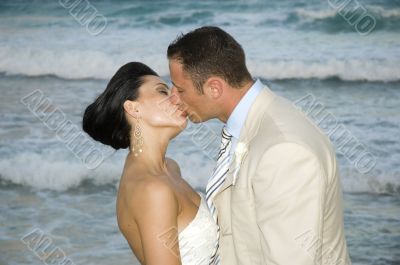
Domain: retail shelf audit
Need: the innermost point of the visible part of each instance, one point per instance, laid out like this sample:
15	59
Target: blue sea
312	52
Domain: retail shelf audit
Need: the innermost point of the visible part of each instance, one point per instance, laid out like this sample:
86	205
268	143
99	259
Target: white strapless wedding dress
198	240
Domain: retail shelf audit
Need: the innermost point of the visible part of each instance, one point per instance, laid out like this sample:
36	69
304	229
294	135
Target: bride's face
156	106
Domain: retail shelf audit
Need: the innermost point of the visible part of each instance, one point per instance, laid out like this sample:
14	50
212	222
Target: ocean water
51	188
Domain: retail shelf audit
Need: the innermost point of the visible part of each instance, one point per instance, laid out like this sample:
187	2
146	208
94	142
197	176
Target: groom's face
197	106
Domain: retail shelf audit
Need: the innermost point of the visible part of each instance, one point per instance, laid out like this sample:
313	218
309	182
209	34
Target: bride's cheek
160	117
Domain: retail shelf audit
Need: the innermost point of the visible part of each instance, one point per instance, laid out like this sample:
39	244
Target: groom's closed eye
179	89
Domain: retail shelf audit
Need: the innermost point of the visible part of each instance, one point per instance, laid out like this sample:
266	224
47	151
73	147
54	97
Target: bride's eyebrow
162	84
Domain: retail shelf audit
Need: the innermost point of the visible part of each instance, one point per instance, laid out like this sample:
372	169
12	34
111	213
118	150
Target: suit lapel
250	129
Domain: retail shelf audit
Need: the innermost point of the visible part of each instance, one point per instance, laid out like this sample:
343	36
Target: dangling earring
137	138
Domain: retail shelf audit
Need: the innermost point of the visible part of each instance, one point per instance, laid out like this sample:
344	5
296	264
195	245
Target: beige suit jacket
285	206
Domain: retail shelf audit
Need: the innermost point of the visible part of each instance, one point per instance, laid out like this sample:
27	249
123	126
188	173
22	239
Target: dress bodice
198	240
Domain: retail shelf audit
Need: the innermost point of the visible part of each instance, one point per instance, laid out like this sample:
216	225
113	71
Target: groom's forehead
176	67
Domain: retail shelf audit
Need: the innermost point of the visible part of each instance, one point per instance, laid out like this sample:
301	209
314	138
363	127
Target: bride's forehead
151	84
152	79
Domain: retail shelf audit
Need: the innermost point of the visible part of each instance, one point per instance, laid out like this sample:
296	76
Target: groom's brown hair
209	51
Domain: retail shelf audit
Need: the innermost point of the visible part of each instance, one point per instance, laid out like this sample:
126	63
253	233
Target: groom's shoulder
284	122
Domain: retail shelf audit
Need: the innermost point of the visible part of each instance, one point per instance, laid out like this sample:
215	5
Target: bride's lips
180	113
183	112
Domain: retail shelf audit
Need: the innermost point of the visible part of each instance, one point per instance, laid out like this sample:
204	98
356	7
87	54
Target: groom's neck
233	98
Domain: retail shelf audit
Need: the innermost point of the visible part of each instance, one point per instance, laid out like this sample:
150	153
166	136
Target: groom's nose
175	99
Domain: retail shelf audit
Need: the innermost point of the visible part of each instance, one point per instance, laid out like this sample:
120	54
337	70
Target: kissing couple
274	196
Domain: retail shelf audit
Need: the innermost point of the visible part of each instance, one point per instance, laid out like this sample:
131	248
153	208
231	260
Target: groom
276	191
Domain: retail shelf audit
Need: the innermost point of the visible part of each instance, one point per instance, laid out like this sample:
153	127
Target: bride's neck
152	157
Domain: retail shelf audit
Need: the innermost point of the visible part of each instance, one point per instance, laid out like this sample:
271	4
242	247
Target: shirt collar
238	116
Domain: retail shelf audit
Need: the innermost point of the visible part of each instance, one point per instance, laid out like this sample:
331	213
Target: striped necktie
217	180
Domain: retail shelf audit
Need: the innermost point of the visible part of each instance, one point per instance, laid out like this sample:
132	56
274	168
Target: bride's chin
177	130
180	125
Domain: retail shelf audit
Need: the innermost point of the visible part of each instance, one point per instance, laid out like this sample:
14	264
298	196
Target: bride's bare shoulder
152	193
144	190
149	185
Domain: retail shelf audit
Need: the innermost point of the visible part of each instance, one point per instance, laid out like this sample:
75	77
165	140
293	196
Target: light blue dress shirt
238	116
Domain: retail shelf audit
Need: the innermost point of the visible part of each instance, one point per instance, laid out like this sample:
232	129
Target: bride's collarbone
188	199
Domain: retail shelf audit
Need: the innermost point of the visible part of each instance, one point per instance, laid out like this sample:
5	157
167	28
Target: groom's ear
214	87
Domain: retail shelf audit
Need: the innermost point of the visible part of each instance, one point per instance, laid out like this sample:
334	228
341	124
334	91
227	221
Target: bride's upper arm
157	211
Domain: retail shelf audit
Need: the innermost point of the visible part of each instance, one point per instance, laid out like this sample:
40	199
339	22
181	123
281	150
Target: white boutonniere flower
240	152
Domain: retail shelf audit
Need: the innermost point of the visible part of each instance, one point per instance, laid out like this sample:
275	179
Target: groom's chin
195	119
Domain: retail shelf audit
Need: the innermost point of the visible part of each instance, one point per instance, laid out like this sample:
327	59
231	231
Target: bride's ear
131	108
214	87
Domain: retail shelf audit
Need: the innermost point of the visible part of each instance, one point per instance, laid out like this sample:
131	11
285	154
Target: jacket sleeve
288	190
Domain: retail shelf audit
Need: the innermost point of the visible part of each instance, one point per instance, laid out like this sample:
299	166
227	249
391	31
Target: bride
164	220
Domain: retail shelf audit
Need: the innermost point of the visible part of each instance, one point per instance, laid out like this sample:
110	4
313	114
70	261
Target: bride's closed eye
163	89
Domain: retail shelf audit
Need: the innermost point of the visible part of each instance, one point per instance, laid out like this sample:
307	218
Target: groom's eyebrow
175	85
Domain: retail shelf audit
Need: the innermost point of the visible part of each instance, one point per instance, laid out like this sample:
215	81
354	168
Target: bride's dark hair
104	120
